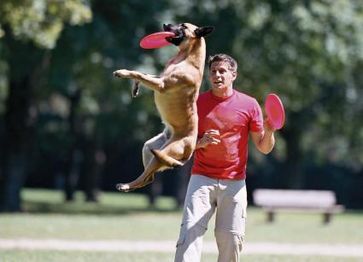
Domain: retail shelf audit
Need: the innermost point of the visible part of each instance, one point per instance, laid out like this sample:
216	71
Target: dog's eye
184	26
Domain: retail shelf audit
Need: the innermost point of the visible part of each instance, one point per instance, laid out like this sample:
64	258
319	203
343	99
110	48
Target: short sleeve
256	123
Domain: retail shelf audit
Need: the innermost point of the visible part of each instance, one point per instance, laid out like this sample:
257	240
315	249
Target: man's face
221	76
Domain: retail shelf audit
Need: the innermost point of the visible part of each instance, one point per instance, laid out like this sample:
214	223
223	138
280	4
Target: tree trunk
293	173
16	144
24	74
94	162
75	155
294	176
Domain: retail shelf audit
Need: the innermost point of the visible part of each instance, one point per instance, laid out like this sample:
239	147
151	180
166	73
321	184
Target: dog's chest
177	73
176	106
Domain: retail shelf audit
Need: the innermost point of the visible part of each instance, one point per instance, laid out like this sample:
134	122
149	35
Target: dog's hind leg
156	142
151	165
165	159
144	179
176	153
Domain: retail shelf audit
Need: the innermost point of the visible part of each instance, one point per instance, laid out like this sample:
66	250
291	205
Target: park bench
320	201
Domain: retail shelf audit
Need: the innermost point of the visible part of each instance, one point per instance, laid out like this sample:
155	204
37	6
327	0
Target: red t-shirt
234	117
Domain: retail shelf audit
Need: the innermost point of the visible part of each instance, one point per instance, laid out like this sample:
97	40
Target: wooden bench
321	201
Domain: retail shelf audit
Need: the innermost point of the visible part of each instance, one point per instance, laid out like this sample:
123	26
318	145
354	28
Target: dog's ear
203	31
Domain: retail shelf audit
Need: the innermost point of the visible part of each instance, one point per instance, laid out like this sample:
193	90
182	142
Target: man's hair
223	58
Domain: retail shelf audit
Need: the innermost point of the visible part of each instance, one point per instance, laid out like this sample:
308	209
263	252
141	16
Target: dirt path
169	246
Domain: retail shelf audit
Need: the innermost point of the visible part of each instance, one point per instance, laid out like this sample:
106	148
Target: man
226	119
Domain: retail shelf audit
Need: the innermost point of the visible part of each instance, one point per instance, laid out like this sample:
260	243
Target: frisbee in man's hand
156	40
275	111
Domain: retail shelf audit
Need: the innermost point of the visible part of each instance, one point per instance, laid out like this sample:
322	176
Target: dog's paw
135	89
123	73
123	187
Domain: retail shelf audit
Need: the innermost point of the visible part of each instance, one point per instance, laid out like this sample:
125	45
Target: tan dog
175	93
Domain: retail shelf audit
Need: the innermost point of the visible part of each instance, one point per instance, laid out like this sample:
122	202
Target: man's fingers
213	140
268	125
212	133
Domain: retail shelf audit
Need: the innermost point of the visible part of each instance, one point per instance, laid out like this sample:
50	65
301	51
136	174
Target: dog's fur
175	92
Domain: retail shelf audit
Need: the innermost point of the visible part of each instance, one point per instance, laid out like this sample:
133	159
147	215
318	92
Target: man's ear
234	73
203	31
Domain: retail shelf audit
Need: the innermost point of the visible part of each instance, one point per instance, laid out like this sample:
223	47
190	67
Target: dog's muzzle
178	31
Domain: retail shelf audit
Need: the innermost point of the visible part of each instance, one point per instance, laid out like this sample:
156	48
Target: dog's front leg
150	81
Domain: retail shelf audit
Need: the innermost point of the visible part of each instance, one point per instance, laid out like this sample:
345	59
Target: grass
47	201
127	217
116	216
66	256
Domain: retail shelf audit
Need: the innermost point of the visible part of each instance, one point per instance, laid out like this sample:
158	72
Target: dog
175	93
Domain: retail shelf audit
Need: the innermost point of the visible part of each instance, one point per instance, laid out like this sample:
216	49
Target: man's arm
265	139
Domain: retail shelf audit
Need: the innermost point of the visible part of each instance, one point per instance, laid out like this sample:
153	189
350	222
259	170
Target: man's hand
210	137
268	126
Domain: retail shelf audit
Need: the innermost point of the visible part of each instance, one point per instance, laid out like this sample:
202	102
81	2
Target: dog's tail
165	159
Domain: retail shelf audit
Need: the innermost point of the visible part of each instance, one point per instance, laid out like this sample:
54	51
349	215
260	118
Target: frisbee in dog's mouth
156	40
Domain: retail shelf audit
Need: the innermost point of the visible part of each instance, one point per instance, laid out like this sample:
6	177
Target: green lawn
67	256
126	216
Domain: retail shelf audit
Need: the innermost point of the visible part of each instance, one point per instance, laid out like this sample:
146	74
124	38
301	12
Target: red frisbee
275	111
156	40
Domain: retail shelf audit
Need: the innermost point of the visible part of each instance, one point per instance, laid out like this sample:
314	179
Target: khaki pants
204	196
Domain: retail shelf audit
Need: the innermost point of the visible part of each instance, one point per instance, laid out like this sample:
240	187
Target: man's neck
223	93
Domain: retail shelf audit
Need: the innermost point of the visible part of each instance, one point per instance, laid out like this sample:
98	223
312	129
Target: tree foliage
42	21
28	28
309	53
58	96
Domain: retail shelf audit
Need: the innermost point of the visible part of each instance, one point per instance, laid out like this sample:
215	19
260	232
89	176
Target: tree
77	69
27	27
306	51
84	59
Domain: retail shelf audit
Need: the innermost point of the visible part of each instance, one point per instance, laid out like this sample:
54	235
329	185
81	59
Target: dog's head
186	31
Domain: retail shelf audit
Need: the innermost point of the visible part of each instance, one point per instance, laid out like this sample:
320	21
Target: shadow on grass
50	202
90	209
46	208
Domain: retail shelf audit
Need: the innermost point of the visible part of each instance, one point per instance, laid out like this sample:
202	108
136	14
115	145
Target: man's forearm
267	142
